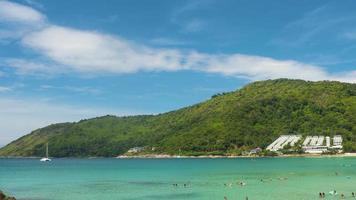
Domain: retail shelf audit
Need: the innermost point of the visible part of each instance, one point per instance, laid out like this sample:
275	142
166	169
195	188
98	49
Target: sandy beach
247	156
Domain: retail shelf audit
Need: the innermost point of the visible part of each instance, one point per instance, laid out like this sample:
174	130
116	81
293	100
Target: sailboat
46	159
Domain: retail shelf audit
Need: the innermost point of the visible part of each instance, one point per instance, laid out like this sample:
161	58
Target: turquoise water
148	179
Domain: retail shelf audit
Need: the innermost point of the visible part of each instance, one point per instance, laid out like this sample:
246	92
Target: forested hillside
227	123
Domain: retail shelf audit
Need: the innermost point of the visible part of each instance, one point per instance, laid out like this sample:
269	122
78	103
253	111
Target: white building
337	142
282	141
311	144
315	144
136	150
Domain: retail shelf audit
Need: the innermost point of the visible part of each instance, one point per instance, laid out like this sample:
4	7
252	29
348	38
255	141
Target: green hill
227	123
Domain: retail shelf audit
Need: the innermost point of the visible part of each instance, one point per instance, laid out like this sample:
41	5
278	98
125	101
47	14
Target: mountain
228	123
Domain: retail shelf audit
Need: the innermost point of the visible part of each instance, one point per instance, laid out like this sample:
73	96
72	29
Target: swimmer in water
342	196
353	194
225	198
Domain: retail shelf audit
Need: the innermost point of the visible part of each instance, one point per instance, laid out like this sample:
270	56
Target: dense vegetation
228	123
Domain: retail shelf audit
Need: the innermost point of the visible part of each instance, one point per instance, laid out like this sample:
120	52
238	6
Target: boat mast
47	150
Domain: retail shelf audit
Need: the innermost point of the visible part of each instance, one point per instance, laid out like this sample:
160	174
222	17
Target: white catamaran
46	159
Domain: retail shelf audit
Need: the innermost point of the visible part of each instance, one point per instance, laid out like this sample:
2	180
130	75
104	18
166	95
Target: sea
294	178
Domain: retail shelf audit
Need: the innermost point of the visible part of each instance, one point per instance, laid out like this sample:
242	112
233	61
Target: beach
306	155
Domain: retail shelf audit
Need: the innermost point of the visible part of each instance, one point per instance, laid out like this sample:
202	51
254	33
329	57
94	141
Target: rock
4	197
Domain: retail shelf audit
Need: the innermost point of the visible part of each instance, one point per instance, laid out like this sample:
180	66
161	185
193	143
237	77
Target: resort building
311	144
337	142
282	141
255	151
321	144
136	150
327	141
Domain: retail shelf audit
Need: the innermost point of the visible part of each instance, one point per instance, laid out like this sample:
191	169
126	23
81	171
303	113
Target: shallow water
149	179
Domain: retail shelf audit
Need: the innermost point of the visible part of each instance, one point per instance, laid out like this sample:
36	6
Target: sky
69	60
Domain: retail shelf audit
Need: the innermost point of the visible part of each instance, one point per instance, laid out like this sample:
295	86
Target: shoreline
166	156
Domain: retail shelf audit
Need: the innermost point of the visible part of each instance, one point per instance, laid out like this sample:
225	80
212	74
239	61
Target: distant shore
247	156
163	156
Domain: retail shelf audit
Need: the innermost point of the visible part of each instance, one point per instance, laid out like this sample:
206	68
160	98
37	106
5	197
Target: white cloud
257	68
90	51
30	67
17	20
14	12
67	49
5	89
19	117
349	76
87	51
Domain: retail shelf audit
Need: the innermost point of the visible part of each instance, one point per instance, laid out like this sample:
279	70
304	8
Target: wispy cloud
321	20
17	20
194	25
92	52
89	51
74	89
34	67
34	3
184	16
18	13
5	89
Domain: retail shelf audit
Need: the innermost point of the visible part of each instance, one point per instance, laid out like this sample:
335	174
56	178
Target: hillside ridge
227	124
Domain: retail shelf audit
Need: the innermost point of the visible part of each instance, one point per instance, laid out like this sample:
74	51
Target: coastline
166	156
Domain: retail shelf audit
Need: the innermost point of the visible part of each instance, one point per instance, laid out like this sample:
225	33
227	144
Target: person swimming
225	198
353	194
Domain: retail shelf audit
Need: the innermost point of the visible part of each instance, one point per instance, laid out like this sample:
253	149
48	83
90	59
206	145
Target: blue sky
68	60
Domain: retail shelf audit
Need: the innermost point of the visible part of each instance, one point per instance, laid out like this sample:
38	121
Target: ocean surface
204	179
